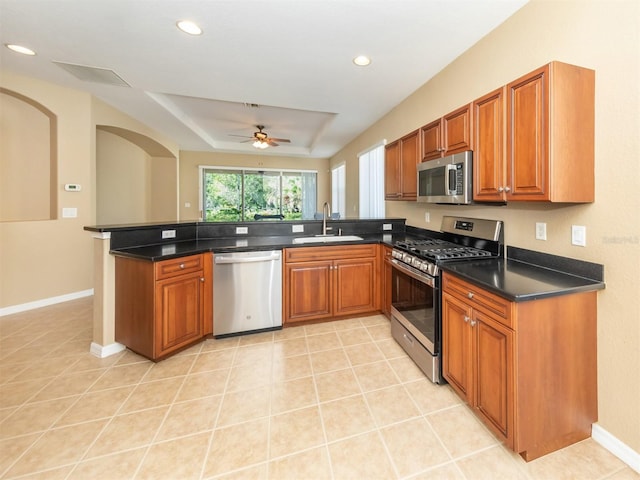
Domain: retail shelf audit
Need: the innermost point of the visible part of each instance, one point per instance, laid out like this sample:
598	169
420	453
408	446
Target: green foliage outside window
236	195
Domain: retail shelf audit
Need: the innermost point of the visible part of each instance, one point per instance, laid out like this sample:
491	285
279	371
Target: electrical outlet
579	235
297	228
386	226
242	230
541	231
427	217
168	234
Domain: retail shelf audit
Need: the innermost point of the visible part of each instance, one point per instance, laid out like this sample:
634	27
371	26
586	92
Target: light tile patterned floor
336	400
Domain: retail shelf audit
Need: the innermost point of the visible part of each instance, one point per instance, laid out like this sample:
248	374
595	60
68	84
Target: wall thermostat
72	187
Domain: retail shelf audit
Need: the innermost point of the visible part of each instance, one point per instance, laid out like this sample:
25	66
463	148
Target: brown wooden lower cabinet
527	369
162	307
327	282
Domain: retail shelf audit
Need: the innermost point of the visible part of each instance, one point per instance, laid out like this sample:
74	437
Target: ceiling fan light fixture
362	60
260	144
19	49
189	27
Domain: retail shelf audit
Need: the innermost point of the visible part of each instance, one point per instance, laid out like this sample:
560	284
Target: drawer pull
202	279
182	265
470	294
473	323
466	319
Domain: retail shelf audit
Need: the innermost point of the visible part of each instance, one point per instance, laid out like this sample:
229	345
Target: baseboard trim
102	351
44	302
620	449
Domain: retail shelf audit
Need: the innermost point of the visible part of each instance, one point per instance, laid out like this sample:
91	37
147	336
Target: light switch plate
541	231
168	234
387	226
579	235
69	212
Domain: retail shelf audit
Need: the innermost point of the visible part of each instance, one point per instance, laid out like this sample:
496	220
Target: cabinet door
457	365
307	291
409	158
528	136
179	311
355	286
392	171
494	396
489	168
456	131
431	140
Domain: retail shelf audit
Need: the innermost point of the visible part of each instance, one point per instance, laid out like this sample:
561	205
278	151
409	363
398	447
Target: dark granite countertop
525	275
166	251
518	280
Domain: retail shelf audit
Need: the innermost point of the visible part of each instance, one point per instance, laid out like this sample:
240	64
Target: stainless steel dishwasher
247	292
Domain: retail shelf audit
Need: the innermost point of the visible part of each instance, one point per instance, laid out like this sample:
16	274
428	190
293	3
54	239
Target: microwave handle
450	180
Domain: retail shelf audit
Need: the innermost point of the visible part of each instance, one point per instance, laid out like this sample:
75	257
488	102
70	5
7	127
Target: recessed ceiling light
189	27
362	60
20	49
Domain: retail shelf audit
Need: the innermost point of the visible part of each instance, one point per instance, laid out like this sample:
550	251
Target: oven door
415	303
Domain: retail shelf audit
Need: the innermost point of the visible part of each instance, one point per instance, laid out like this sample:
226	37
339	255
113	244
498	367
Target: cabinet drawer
479	298
179	266
306	254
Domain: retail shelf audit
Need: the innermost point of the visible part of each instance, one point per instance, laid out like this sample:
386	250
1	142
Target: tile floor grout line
166	414
215	423
325	445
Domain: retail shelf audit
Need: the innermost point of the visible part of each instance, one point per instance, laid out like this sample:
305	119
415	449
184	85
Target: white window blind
372	182
338	197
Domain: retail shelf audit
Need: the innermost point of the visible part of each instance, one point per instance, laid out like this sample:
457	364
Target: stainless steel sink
327	239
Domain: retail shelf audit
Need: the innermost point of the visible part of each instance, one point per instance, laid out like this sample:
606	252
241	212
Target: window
372	182
338	202
237	195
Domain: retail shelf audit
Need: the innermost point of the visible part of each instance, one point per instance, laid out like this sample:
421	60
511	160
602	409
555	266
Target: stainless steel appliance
447	179
247	292
416	321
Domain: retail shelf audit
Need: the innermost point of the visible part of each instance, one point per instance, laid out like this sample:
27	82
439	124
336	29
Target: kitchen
578	33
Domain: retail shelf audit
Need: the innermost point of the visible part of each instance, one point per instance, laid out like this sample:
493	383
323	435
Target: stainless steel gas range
416	320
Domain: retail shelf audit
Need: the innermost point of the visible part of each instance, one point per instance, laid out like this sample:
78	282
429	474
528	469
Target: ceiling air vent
93	74
251	105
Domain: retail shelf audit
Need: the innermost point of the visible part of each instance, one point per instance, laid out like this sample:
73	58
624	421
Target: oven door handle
422	277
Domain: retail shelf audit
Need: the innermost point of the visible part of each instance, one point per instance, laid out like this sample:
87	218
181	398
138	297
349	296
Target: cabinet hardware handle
182	265
473	323
507	189
202	279
466	319
470	294
500	189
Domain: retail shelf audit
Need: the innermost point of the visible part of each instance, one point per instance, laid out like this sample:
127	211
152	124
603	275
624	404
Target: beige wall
121	180
604	36
189	174
40	260
131	185
25	161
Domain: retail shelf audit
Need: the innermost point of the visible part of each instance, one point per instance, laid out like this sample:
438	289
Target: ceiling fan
262	140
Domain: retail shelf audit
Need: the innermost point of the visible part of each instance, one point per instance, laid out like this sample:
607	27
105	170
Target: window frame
243	171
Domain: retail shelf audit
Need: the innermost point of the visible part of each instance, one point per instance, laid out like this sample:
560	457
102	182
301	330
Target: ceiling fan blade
271	142
283	140
242	136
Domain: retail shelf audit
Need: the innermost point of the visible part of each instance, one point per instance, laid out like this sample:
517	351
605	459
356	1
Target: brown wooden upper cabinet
543	150
400	168
447	135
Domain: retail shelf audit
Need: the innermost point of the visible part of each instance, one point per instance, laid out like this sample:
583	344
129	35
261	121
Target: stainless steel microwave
446	179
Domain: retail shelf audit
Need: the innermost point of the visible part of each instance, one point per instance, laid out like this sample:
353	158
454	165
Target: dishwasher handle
221	259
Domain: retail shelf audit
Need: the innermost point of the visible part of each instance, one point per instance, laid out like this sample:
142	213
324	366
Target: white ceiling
292	58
